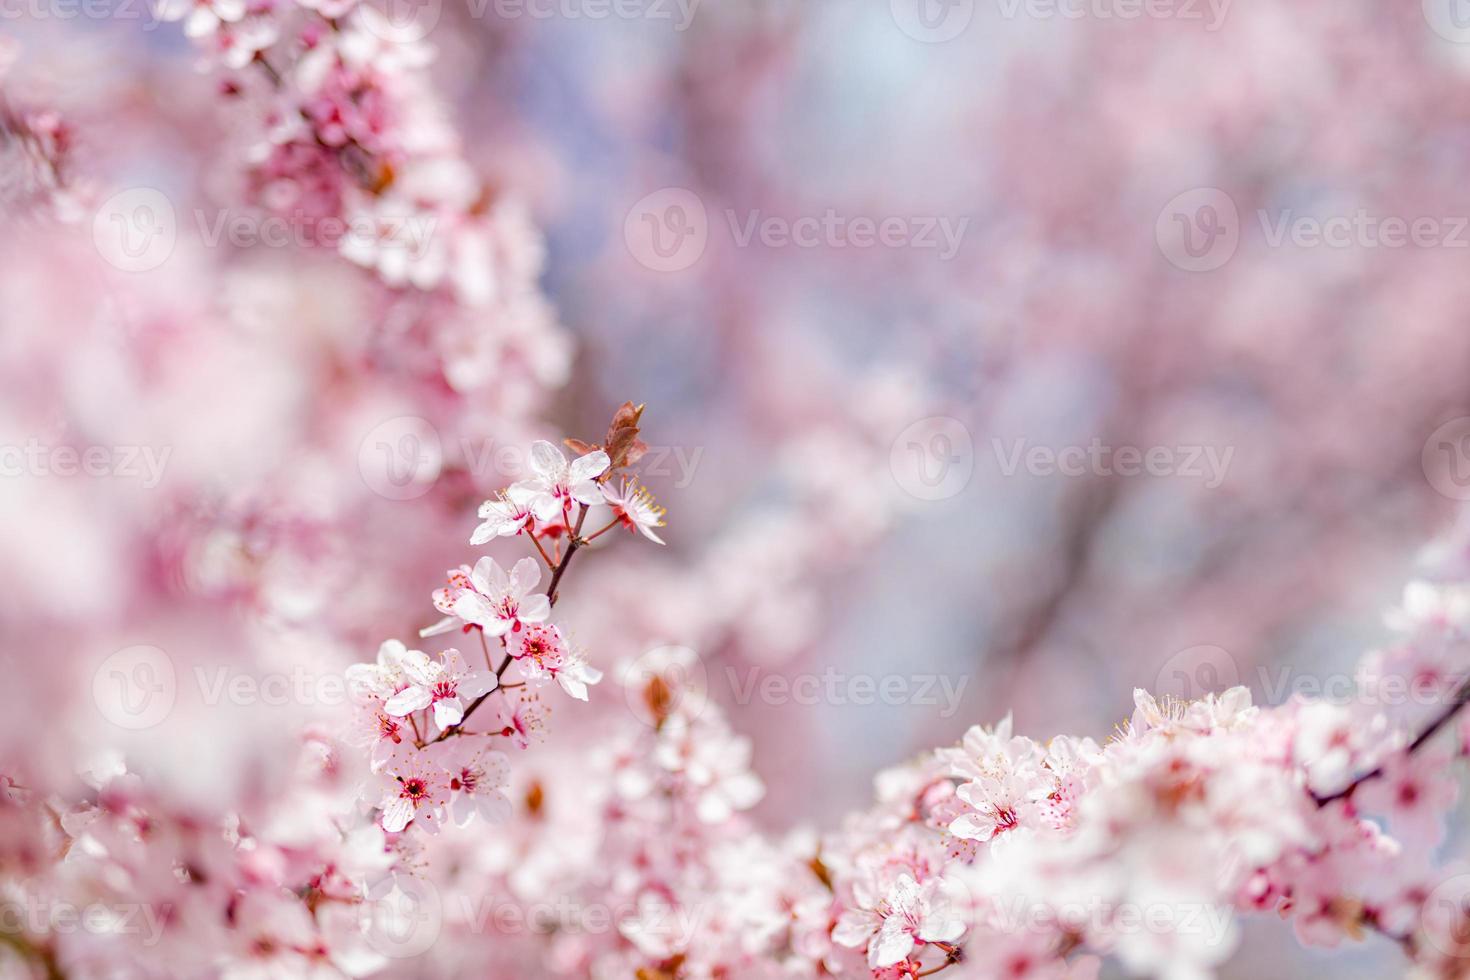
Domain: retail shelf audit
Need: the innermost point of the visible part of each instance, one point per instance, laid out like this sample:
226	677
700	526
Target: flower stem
1457	701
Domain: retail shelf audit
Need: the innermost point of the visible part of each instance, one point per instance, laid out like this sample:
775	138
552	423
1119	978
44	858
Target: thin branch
574	542
1457	701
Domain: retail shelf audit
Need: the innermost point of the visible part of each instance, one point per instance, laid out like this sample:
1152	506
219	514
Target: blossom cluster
1027	859
346	136
432	761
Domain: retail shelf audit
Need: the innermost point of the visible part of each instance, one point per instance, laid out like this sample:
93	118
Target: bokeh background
1130	190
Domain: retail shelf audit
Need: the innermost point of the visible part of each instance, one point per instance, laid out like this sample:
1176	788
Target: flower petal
396	814
408	700
524	577
584	468
534	608
547	461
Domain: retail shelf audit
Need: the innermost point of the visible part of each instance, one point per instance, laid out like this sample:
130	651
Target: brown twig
1457	701
573	544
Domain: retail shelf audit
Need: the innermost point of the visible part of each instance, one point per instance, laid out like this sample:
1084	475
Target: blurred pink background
1112	189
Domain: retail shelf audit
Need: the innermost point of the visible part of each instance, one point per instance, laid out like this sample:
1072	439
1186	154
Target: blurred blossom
994	367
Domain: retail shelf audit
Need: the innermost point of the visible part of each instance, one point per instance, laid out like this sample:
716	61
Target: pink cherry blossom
503	516
439	686
478	777
557	485
499	603
635	508
413	789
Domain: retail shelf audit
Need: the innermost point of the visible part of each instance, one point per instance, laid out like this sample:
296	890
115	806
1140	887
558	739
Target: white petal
586	467
586	492
494	807
396	814
546	507
524	492
524	576
854	928
547	461
408	700
475	608
892	944
971	827
477	682
488	577
534	608
446	625
448	712
420	669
